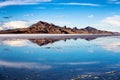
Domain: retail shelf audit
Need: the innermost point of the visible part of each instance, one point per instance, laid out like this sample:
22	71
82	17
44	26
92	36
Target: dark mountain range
46	28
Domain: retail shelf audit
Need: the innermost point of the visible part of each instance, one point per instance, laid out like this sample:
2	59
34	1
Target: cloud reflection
81	63
108	43
26	65
113	47
15	43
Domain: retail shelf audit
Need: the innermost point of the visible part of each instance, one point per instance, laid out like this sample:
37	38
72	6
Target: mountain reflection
109	43
45	41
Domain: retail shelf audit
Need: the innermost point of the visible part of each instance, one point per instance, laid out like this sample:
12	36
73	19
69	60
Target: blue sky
101	14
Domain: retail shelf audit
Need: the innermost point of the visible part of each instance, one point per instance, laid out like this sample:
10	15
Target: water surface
63	58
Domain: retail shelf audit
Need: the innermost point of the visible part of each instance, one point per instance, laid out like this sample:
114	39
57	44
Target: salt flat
22	36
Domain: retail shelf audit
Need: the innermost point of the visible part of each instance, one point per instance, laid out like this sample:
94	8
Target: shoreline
50	35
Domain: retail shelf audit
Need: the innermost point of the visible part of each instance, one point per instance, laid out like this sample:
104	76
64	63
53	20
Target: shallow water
62	58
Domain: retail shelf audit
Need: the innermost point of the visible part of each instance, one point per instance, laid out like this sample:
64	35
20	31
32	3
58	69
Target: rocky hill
46	28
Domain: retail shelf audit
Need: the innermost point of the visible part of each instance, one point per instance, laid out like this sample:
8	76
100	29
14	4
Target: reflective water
58	59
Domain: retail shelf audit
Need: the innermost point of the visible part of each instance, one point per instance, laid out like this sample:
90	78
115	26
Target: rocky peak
41	22
90	28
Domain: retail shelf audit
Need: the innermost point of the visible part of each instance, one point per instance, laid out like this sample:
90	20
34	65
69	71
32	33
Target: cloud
15	24
91	16
114	1
1	28
29	15
113	20
26	65
111	23
79	4
21	2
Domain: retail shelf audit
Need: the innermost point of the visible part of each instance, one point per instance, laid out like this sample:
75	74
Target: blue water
22	59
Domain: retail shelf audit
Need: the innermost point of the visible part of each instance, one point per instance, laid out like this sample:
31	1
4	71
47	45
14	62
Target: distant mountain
46	28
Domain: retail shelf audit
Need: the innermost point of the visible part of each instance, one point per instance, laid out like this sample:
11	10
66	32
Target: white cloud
24	65
1	28
21	2
114	1
111	23
91	16
113	20
15	24
29	15
79	4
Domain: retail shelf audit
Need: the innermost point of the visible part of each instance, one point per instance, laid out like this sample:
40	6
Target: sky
100	14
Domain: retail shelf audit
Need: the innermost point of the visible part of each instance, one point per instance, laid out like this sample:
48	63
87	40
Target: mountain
47	28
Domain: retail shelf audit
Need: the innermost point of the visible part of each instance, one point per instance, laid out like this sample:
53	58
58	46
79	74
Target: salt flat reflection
110	43
58	58
43	41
